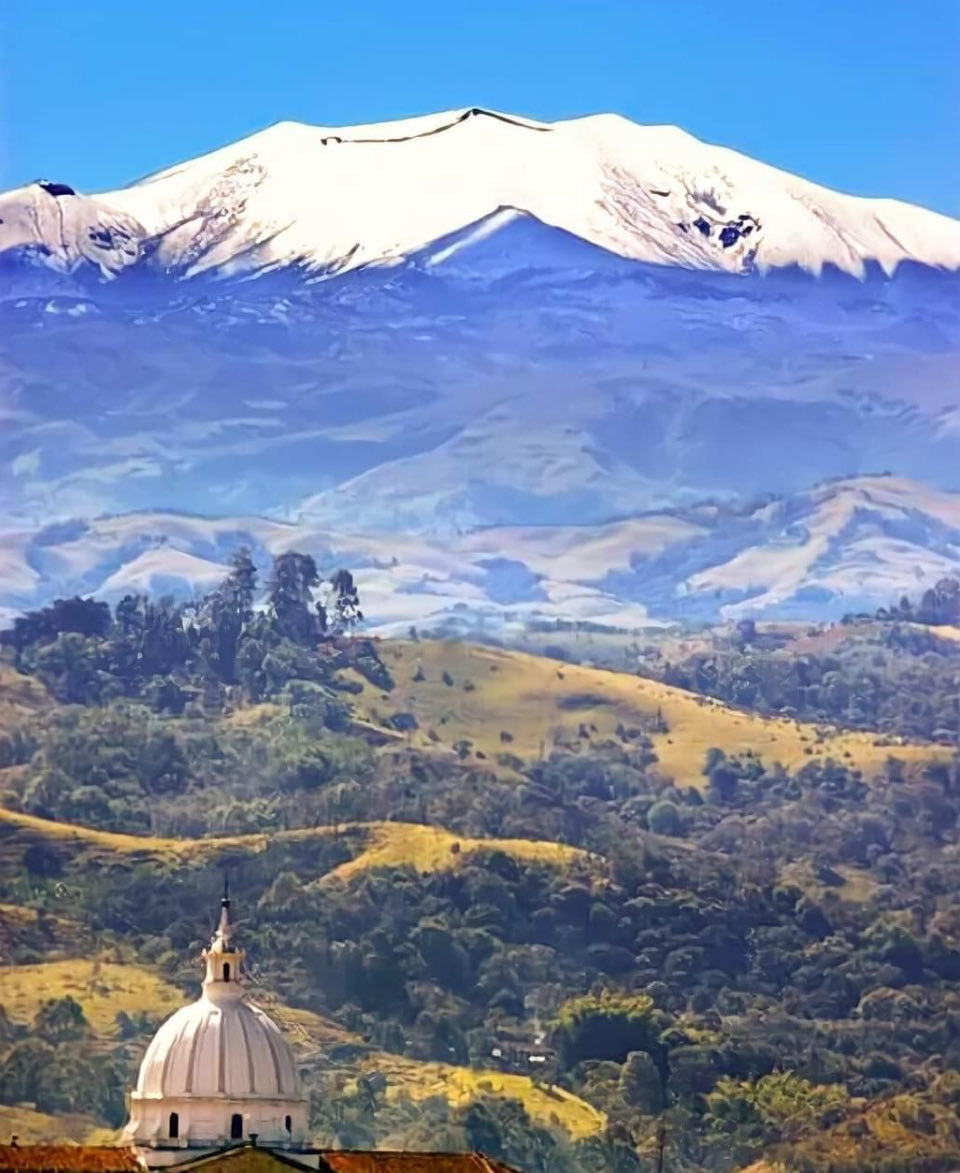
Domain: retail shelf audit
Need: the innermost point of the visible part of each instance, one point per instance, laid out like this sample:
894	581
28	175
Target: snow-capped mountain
321	201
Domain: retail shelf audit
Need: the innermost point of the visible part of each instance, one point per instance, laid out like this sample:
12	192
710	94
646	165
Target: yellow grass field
540	702
547	1105
432	849
103	988
428	849
32	1127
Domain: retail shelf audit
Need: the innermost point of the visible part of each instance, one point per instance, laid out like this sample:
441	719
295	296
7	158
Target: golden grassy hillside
380	844
432	849
546	1105
902	1131
32	1127
103	989
540	702
20	696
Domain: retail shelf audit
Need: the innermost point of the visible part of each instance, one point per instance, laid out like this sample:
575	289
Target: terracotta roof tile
68	1158
34	1158
382	1162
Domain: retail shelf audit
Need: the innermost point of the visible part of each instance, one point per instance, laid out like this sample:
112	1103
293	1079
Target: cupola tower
218	1072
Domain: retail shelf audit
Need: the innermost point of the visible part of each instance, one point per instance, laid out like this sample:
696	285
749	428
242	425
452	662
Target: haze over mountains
503	353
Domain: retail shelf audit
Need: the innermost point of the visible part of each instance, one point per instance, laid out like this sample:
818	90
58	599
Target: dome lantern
222	959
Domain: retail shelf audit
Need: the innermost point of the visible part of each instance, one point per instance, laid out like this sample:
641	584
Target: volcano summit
325	201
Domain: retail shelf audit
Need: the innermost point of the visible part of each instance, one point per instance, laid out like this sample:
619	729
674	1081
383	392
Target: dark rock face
51	187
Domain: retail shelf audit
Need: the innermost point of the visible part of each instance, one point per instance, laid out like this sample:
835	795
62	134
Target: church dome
217	1071
218	1048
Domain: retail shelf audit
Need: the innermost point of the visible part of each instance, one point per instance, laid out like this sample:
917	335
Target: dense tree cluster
893	678
49	1065
167	653
938	606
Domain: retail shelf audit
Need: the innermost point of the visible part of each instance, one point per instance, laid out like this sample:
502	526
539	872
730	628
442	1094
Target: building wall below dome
210	1121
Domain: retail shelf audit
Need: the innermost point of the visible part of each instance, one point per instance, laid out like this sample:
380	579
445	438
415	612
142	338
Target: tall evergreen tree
346	602
225	614
294	579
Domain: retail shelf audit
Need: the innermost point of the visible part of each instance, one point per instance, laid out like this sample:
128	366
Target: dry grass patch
903	1131
432	849
254	714
476	693
103	989
428	849
146	845
20	696
70	833
32	1127
546	1105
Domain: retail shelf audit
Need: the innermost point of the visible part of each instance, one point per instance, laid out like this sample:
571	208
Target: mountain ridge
330	199
848	545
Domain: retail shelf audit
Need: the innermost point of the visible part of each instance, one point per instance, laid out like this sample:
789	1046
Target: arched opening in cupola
236	1126
173	1126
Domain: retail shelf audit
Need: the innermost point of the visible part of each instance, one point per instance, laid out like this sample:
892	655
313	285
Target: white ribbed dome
216	1072
218	1048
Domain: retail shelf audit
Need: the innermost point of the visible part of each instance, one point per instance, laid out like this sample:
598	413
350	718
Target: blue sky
864	97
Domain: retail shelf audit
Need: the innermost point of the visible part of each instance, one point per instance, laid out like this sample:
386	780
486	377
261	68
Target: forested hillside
577	918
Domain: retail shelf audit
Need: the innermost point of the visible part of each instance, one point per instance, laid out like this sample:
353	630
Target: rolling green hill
735	925
461	690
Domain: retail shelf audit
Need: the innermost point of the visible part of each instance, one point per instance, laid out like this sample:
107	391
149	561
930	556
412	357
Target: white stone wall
207	1120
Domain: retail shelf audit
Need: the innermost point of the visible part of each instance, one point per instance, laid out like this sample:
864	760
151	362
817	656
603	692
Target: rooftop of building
244	1158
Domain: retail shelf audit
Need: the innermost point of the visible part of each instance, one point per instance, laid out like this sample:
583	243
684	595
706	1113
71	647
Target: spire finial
224	928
